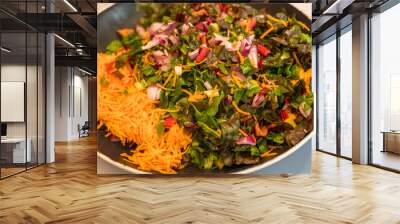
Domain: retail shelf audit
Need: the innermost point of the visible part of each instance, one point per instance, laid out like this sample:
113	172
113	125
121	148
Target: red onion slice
248	140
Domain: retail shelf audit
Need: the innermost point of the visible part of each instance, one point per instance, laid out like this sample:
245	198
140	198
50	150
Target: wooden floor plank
70	191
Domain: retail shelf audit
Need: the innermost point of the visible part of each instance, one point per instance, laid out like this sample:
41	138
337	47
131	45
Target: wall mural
202	88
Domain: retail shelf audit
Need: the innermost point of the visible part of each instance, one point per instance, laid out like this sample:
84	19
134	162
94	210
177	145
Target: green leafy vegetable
121	60
160	127
246	67
229	19
222	68
213	109
209	130
148	70
209	160
113	46
104	81
276	137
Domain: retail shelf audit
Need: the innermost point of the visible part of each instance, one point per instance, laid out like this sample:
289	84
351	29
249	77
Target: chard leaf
163	99
213	109
113	46
209	160
305	38
223	69
229	19
276	137
280	90
196	156
254	151
262	149
134	42
252	89
160	127
104	81
184	48
238	95
121	60
148	70
204	118
209	130
246	66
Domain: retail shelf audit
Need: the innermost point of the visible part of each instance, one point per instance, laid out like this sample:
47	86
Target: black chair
84	130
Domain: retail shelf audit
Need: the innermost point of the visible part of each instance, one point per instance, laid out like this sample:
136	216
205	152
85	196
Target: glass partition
13	95
22	88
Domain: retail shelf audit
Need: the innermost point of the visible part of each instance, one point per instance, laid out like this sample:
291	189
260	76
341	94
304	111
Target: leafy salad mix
235	79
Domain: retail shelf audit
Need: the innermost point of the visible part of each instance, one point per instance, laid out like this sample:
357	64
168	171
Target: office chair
84	130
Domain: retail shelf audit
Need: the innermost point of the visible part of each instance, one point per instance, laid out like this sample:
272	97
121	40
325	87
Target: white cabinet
17	146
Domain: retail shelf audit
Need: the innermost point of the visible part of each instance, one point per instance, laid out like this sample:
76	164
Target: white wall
62	81
71	102
12	73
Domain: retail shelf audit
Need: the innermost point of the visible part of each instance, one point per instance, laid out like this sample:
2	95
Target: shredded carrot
168	78
123	115
197	96
243	132
239	110
237	81
284	23
304	26
296	59
306	76
204	39
241	58
134	72
267	32
125	32
169	110
290	119
269	153
201	12
146	60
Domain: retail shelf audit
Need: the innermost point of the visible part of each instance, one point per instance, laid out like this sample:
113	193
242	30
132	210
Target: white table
18	149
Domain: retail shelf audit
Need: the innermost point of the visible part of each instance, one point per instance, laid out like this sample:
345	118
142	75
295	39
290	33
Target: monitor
3	129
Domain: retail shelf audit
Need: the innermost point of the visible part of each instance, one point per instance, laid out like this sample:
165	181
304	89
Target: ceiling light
84	71
64	40
70	5
337	7
5	50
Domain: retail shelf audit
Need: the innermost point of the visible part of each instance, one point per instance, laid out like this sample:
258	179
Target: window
346	93
385	89
327	96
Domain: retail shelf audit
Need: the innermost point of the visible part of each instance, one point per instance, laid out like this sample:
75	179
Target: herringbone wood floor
69	191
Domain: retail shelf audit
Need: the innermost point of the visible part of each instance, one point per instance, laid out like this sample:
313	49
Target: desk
391	141
15	148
